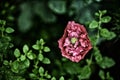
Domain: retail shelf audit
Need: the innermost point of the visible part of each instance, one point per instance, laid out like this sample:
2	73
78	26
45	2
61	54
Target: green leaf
112	35
9	30
2	29
93	24
10	17
22	57
3	22
46	61
46	49
58	6
61	78
93	40
48	76
98	58
97	54
104	12
108	77
97	14
40	57
106	19
5	62
53	78
17	78
32	75
36	47
71	68
85	73
107	63
26	63
41	41
17	53
25	48
102	74
31	55
41	70
15	66
88	61
107	34
11	45
12	7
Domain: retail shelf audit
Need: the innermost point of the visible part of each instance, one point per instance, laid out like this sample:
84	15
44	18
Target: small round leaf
41	70
106	19
105	33
15	66
17	53
25	48
31	55
41	41
26	63
97	14
102	74
22	57
112	35
9	30
46	49
46	61
104	12
48	76
32	75
53	78
40	57
5	62
61	78
107	63
93	24
36	47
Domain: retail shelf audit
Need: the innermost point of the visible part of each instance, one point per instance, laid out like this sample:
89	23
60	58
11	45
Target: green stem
99	27
36	63
91	57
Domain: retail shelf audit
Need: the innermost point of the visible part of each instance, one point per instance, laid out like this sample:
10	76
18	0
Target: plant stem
99	27
36	63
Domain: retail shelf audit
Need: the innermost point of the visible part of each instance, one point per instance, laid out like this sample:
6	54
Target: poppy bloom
74	43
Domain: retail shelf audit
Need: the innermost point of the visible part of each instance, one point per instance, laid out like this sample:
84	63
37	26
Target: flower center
73	40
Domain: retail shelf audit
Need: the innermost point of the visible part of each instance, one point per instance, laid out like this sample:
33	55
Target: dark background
31	25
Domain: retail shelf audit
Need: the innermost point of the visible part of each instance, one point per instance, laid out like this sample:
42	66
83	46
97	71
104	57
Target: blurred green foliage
22	59
47	11
102	33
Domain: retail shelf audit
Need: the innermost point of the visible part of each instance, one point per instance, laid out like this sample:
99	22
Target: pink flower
74	43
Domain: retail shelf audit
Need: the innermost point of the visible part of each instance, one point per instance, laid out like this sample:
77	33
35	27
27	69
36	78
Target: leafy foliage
104	76
85	73
57	6
93	24
21	59
106	63
102	33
